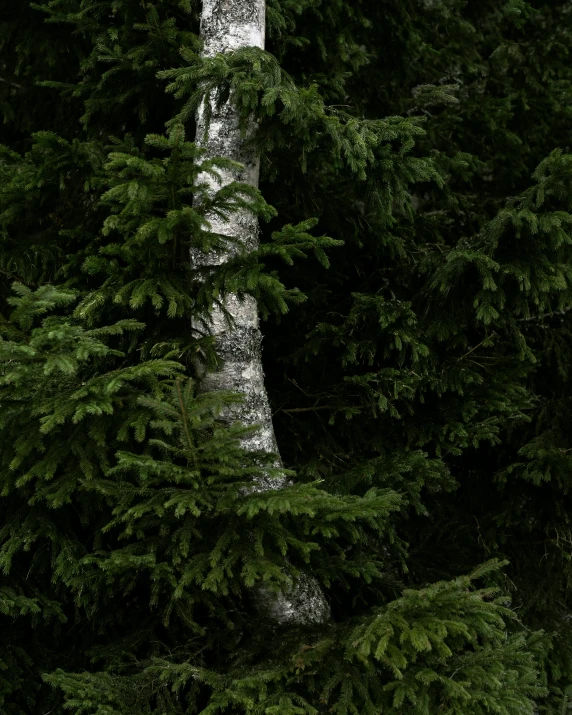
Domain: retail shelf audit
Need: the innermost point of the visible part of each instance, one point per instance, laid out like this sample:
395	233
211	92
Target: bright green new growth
414	274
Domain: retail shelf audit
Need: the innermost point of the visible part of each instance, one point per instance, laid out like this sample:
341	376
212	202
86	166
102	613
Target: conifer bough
226	26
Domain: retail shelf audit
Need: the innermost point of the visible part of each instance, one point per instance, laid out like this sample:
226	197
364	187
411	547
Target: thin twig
298	386
321	407
544	315
12	84
484	340
309	409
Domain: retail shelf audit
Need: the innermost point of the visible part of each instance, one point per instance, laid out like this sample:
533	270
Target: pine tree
413	272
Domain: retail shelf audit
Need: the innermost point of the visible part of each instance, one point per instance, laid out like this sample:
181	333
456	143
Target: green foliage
258	84
414	274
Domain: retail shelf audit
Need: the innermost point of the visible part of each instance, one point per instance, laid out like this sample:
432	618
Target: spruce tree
413	270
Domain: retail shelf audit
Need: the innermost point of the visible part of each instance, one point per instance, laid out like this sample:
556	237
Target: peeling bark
228	25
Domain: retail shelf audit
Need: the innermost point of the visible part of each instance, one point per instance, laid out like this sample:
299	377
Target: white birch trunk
228	25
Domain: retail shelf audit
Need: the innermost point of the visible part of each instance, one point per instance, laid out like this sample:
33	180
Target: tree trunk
228	25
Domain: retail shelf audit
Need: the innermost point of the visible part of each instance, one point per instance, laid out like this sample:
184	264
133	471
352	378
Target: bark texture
228	25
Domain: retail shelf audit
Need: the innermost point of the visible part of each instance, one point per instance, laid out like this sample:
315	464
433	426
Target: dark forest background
415	277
